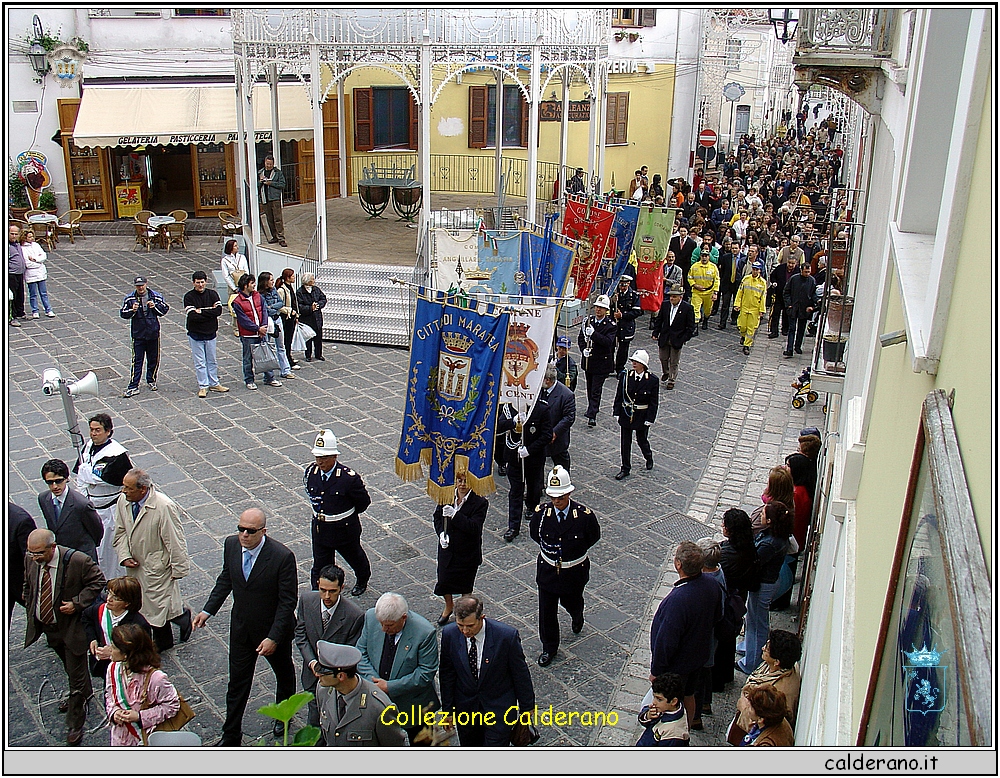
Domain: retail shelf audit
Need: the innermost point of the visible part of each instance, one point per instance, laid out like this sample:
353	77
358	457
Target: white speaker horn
86	385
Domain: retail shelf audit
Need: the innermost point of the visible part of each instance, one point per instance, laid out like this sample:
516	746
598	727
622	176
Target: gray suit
562	412
78	525
344	628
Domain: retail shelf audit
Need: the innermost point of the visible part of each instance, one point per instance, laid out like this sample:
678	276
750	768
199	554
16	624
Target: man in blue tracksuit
144	307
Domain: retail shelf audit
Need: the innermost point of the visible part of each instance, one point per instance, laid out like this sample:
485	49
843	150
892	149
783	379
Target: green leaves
307	737
284	712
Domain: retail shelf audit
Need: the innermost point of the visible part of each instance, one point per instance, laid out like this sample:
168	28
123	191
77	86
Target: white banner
526	352
449	248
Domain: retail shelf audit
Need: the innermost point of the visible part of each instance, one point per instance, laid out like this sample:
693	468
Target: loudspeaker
86	385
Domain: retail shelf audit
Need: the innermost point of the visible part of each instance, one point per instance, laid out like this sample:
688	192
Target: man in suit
562	414
483	670
399	654
683	247
69	514
675	326
58	584
19	526
260	573
324	615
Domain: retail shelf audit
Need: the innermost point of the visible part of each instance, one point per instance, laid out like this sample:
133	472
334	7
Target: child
664	718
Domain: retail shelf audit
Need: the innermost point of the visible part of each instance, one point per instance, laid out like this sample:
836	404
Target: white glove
586	352
520	419
649	424
443	540
448	511
522	452
615	418
588	331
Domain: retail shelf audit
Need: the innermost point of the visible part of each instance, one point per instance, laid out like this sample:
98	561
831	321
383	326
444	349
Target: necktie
135	510
561	515
45	610
341	707
247	564
326	619
388	656
473	658
57	505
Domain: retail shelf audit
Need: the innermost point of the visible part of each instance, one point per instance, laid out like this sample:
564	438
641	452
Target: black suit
458	564
636	403
525	475
78	525
504	680
92	626
19	526
562	414
263	607
672	335
682	258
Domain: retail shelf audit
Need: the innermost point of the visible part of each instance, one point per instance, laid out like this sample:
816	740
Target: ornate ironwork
846	31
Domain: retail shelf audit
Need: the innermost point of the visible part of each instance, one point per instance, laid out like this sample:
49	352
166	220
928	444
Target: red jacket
251	313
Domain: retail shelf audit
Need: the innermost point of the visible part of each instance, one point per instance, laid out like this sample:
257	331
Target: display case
89	182
212	172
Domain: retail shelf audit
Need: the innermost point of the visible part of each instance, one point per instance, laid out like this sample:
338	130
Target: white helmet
603	301
559	483
326	444
640	355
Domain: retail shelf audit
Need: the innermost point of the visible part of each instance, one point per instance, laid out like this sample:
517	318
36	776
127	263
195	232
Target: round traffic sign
707	138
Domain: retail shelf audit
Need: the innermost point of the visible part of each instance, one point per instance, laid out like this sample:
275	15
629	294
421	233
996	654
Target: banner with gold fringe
452	390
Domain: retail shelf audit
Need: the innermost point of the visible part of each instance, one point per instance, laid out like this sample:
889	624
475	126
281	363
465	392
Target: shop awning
113	116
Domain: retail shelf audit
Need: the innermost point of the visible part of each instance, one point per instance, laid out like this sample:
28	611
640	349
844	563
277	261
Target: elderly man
564	530
635	408
681	634
562	414
354	712
15	276
800	302
597	343
260	574
150	543
675	326
399	654
788	265
59	583
338	496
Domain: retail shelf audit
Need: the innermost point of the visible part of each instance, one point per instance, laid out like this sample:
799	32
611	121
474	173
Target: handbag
522	735
735	733
183	715
265	357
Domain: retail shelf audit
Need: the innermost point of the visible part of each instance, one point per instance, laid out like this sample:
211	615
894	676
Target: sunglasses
55	481
248	530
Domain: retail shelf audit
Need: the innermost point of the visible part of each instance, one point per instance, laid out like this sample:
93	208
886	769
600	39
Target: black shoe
649	464
621	474
664	378
278	729
359	589
501	469
771	335
273	240
577	625
309	359
544	659
788	354
510	534
798	350
722	325
697	725
695	333
74	737
591	422
444	620
321	359
704	324
746	350
185	625
226	742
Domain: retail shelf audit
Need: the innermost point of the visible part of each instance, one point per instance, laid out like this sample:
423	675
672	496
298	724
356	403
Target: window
385	117
201	12
616	126
733	48
633	17
482	117
123	13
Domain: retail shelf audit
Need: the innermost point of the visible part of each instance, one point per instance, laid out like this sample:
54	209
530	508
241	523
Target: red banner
649	276
590	225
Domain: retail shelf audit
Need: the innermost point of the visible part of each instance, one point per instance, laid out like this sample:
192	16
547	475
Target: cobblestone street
717	434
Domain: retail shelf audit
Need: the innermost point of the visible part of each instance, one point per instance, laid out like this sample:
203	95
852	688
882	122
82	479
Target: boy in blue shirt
664	718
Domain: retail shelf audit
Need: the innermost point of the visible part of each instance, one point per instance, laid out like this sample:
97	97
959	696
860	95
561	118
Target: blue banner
545	262
456	361
499	262
626	221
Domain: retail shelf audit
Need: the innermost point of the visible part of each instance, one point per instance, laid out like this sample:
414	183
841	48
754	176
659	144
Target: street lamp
36	56
784	21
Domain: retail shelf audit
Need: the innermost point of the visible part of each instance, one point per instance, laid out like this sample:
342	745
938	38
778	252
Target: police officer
564	531
597	342
524	441
635	410
350	707
338	496
625	310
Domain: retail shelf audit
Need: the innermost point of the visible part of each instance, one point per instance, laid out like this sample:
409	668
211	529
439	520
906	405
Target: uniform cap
759	265
334	656
326	444
559	483
641	356
676	289
603	301
564	341
625	277
139	281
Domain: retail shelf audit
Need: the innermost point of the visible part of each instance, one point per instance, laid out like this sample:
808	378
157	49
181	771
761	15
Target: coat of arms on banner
520	355
925	681
454	367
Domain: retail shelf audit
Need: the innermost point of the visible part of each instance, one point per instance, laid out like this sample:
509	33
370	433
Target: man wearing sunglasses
260	573
68	513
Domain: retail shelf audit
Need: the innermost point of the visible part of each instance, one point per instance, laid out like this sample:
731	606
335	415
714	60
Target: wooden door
306	156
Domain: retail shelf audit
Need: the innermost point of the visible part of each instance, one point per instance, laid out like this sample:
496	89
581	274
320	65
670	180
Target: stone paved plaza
717	434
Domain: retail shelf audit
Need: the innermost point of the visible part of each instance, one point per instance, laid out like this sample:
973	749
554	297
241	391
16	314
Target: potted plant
47	201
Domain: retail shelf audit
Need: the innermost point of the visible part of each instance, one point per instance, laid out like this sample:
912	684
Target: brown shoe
219	388
282	244
203	392
74	737
670	384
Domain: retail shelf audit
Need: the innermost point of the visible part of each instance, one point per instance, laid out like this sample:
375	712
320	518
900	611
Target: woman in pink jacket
138	695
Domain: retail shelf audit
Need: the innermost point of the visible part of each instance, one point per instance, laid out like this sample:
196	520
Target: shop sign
31	169
129	199
184	139
551	110
623	66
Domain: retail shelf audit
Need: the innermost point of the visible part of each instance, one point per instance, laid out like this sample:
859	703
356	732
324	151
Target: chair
69	224
34	212
179	215
180	738
229	225
173	235
143	216
144	236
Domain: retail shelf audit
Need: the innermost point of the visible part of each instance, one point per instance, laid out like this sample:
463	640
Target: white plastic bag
303	332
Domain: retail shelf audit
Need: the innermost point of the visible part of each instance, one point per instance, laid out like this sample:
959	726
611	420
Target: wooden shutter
616	125
414	123
647	17
364	106
524	120
478	102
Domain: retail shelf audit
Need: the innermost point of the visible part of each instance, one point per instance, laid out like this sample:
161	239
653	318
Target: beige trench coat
154	539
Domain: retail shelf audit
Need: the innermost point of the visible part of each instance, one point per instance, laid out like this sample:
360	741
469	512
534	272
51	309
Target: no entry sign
707	138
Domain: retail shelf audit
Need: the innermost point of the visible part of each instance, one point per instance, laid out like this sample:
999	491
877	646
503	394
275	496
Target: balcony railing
857	32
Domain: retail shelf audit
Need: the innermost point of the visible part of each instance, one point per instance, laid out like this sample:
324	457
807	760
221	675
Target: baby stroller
803	392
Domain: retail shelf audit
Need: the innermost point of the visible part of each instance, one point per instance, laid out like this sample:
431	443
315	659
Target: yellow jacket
751	295
704	274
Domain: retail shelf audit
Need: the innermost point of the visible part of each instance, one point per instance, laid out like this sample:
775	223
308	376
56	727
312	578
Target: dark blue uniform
636	403
337	501
563	568
526	475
